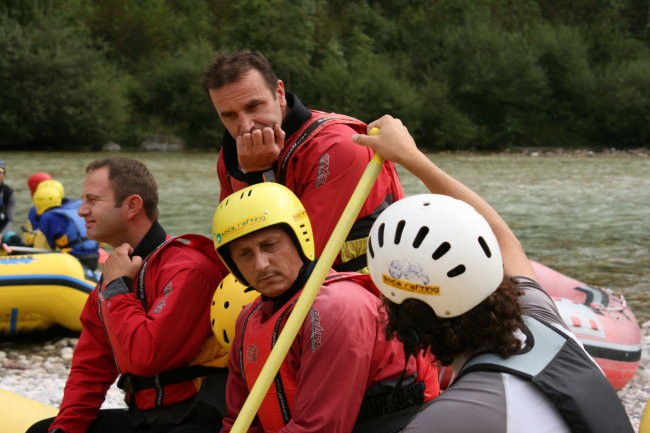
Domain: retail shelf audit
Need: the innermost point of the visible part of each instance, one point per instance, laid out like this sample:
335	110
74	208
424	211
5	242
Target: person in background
63	228
7	202
340	369
148	320
30	230
271	136
455	281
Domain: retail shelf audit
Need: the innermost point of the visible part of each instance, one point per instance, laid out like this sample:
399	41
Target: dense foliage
462	74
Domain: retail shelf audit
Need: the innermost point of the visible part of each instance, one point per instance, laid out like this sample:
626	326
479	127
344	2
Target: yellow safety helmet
229	299
46	198
257	207
51	183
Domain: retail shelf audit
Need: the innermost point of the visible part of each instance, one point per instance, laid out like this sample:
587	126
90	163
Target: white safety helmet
436	249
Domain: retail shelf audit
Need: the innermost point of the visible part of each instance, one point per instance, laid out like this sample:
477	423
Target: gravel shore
40	371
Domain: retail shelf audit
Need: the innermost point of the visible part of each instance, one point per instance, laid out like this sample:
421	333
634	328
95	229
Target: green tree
175	100
495	80
622	112
139	32
283	30
58	92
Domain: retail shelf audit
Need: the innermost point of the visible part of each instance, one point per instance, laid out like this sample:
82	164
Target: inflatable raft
601	320
38	291
18	413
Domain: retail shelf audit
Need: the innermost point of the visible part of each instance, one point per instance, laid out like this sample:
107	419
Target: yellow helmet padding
257	207
229	299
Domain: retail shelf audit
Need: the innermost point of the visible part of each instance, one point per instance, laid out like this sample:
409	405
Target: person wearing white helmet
456	281
341	372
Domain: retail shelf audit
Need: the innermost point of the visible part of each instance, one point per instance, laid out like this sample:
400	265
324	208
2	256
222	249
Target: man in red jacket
340	372
271	136
147	322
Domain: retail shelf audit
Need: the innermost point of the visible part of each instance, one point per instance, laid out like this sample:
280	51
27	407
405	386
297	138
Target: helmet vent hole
458	270
381	235
441	250
422	233
399	231
225	337
226	305
485	247
241	196
370	250
250	191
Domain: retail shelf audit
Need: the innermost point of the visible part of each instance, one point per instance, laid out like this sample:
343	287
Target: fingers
120	264
365	140
386	118
279	135
393	142
261	137
259	149
137	261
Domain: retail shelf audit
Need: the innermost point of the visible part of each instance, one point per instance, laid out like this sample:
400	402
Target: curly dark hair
489	326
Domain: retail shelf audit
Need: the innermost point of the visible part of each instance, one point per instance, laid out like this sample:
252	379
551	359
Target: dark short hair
127	177
229	67
488	326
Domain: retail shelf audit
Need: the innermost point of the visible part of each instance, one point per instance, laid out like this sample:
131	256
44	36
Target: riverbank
561	151
39	372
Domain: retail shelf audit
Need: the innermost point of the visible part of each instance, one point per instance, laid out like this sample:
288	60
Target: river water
587	217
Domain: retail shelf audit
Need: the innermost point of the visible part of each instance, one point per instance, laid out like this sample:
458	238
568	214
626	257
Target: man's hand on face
119	264
259	149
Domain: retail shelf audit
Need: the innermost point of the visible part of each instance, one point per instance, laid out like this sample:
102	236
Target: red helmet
35	179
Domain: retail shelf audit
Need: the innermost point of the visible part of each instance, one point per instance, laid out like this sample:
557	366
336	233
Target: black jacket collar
154	237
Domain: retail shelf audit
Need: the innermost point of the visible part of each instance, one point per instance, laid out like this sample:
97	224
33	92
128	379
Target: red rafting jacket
339	352
179	280
322	165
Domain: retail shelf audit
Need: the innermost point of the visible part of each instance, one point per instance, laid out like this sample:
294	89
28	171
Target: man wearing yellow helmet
31	235
457	282
63	228
340	368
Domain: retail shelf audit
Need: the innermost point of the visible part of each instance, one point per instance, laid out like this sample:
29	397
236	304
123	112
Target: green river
587	217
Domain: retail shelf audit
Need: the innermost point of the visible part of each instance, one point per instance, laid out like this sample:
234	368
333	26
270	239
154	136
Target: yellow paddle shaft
309	293
644	427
